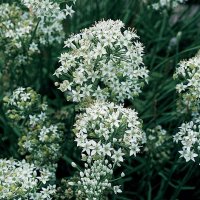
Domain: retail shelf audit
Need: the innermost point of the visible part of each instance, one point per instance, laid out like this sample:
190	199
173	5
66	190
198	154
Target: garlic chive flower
188	75
106	129
106	133
47	9
20	102
158	145
157	136
22	38
41	138
189	139
166	4
103	62
95	181
21	33
21	180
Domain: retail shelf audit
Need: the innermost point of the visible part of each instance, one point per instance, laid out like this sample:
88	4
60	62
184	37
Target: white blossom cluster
158	145
188	72
157	136
16	29
103	62
21	100
48	9
106	133
94	180
189	138
106	129
40	138
20	180
22	35
51	17
41	143
163	4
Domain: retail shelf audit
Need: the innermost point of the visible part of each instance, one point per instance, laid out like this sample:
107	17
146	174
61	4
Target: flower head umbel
47	9
103	63
106	129
106	133
23	37
189	139
40	137
21	180
166	4
22	33
188	74
94	180
158	145
20	102
156	137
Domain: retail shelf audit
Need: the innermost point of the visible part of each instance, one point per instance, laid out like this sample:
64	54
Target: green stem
184	180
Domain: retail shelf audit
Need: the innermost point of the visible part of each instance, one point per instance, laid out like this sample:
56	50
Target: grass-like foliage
112	115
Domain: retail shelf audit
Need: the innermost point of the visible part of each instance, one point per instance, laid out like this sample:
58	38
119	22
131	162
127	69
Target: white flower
188	154
46	193
42	116
104	124
93	180
97	149
107	149
33	119
118	156
88	146
68	10
189	87
25	96
40	139
117	189
19	180
134	149
189	138
104	63
166	4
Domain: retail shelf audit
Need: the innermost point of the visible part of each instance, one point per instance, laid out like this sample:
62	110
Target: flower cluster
189	87
16	30
48	9
106	129
20	102
157	145
21	180
50	16
40	138
22	35
25	32
94	181
157	136
106	133
189	137
162	4
103	63
188	72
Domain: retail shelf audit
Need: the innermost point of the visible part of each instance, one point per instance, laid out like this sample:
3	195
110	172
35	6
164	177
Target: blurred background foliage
168	37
